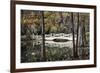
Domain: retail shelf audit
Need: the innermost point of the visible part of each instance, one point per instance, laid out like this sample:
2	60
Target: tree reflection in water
31	52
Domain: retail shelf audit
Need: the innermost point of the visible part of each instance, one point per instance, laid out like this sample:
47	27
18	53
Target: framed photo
51	36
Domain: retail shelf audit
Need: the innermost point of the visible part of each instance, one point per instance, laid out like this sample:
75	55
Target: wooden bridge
51	37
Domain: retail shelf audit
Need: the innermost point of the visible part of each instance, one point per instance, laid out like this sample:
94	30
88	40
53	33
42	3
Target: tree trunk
43	51
83	32
77	36
80	34
73	35
84	36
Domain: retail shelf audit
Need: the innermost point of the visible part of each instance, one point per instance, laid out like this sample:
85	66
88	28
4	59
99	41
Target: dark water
32	51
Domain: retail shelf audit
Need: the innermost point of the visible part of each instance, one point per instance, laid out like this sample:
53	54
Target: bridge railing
58	35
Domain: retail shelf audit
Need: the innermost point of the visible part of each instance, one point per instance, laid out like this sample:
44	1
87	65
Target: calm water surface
32	51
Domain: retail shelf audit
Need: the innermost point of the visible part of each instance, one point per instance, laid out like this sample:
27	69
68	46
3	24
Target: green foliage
54	22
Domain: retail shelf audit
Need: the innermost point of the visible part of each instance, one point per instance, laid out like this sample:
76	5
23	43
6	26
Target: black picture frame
13	35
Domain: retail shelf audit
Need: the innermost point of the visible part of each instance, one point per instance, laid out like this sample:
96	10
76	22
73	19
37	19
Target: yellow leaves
30	20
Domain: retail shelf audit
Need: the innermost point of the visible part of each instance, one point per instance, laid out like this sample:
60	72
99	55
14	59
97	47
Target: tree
74	51
77	39
43	48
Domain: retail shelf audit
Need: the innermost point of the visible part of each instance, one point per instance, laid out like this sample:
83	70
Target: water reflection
32	51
